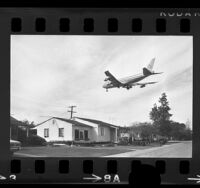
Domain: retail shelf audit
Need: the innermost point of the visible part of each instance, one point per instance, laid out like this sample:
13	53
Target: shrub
60	142
123	141
35	140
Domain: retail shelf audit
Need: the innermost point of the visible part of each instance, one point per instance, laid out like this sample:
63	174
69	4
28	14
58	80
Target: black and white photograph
101	96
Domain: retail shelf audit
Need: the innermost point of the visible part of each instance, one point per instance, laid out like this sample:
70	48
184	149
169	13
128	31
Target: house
77	129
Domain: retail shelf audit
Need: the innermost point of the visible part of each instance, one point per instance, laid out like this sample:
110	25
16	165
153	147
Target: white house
78	129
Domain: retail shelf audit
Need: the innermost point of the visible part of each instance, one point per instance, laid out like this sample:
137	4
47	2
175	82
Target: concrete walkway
172	150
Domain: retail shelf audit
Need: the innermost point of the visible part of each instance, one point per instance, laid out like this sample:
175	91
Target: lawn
65	151
75	151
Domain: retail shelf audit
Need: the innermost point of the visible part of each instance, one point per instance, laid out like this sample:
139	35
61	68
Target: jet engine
128	87
142	86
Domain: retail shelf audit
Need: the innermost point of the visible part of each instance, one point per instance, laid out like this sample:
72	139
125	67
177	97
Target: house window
46	133
81	135
102	131
86	134
76	134
61	132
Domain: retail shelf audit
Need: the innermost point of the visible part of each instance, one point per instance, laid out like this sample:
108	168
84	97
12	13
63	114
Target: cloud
180	79
49	73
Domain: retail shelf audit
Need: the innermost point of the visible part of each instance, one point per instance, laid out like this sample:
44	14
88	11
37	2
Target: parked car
14	146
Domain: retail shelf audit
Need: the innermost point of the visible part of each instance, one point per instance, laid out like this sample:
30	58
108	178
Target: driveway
182	149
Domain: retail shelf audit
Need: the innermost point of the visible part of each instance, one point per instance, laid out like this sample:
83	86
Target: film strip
32	167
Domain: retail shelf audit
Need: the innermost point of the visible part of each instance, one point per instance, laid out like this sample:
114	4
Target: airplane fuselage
126	81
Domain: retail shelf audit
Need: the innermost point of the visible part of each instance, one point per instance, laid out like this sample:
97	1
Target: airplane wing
144	84
113	79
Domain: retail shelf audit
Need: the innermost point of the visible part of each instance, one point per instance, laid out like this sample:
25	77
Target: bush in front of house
123	141
34	140
51	143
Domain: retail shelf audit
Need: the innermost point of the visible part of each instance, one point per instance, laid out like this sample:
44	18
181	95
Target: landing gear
106	90
128	88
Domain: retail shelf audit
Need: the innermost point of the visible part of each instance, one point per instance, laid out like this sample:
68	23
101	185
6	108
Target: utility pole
71	111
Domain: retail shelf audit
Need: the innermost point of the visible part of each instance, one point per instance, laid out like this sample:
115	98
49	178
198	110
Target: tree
164	108
179	131
154	114
161	117
145	130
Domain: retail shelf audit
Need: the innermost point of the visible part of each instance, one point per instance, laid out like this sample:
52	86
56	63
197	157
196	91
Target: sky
51	72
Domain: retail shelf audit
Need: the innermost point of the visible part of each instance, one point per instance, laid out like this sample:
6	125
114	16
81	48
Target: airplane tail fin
151	64
149	69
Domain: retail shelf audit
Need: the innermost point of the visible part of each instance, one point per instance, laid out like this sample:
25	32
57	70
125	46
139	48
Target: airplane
129	82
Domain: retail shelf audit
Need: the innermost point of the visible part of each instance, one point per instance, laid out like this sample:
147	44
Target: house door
81	135
86	134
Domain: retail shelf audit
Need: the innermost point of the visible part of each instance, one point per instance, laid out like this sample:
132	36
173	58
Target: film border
95	22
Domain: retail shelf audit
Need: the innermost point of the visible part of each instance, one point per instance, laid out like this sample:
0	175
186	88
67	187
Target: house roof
44	121
98	122
15	122
66	120
73	122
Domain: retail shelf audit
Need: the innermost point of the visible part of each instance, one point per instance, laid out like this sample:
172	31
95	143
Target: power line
71	111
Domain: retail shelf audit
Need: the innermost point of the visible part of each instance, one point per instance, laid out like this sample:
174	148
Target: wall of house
106	137
82	128
53	130
94	132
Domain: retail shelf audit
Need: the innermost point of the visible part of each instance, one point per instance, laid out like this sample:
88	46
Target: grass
78	151
184	149
66	151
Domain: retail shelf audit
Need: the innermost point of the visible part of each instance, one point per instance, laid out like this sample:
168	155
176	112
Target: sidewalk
182	149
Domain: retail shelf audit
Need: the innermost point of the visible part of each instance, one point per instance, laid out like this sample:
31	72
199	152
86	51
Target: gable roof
73	122
98	122
66	120
44	121
14	121
17	123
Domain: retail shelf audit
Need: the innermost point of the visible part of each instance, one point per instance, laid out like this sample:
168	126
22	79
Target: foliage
161	117
31	140
35	140
20	130
26	123
161	127
179	131
145	130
